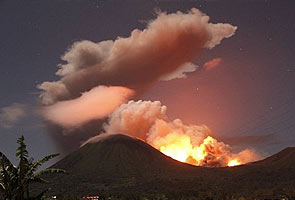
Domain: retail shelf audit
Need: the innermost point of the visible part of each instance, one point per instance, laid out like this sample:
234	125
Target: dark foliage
15	180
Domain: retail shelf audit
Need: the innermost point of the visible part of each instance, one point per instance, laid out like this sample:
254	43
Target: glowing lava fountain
210	153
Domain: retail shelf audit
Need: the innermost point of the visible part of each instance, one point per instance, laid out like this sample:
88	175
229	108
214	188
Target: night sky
247	100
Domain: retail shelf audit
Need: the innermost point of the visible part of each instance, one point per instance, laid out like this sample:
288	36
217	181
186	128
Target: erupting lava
209	153
191	144
233	163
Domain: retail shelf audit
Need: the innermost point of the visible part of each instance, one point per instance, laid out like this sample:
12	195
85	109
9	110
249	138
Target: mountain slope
129	167
118	163
119	155
283	159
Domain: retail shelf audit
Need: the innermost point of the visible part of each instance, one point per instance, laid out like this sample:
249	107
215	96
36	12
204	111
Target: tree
8	177
15	180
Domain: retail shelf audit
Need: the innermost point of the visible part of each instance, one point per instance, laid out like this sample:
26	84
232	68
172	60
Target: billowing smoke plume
164	50
167	43
187	143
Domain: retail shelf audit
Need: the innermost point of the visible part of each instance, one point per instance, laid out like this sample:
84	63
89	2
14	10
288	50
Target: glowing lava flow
233	163
209	153
180	149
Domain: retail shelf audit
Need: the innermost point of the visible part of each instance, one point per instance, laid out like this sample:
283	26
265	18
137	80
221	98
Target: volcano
130	168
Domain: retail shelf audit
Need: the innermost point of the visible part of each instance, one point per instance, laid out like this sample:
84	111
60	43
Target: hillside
130	168
117	155
283	159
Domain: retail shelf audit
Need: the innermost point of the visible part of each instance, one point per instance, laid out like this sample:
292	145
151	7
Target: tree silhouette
15	180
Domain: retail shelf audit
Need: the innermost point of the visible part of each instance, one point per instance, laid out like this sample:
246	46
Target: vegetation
15	180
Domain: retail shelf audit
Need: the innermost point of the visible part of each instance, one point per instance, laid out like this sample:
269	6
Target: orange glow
209	152
233	163
179	147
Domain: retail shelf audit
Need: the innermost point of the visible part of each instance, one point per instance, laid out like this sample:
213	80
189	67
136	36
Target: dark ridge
283	159
130	168
118	154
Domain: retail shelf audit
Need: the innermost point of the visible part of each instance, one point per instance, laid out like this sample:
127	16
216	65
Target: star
270	107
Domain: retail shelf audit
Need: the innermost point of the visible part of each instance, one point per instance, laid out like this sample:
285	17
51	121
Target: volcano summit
130	168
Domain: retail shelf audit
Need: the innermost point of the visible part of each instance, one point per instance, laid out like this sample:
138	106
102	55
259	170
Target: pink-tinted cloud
212	63
95	104
180	72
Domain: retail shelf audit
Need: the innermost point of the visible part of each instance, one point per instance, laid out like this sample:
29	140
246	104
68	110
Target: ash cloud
11	114
161	51
167	43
